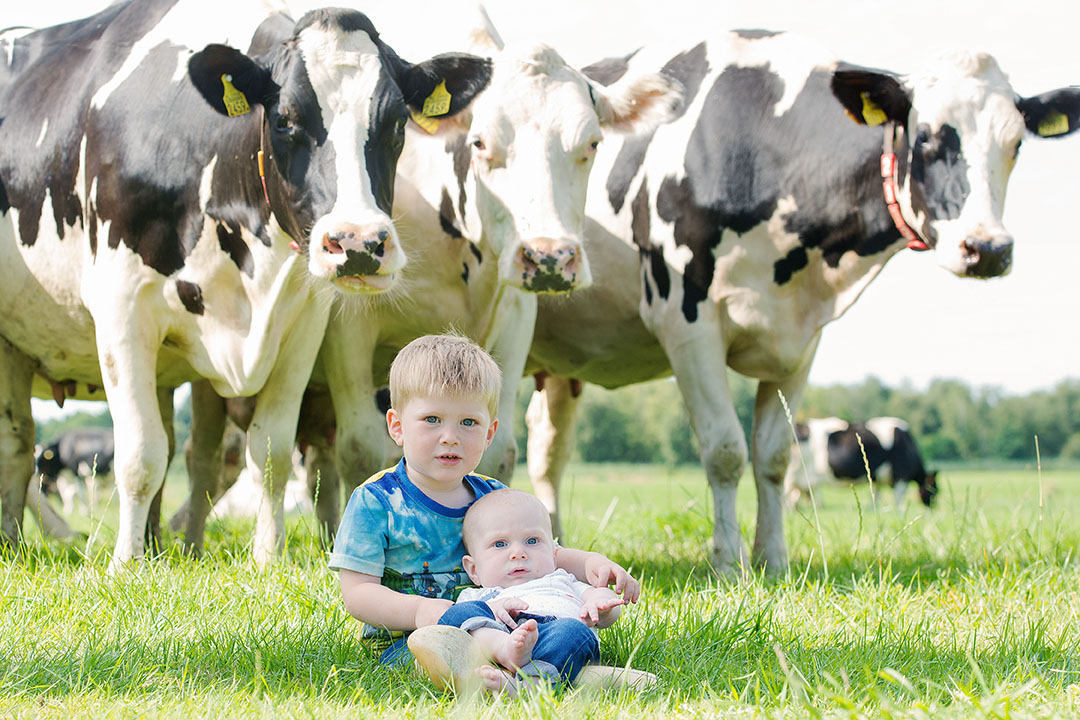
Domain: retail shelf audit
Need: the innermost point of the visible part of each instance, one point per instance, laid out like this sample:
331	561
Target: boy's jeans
564	646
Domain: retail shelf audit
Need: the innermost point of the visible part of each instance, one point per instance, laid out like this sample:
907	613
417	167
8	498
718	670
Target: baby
533	620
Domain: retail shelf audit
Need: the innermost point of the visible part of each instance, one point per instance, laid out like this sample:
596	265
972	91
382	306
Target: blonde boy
399	547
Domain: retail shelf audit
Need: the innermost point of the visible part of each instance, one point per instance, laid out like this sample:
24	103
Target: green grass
970	610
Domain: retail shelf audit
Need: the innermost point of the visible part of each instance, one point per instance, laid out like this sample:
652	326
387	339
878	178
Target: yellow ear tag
1054	123
872	114
429	125
438	102
235	102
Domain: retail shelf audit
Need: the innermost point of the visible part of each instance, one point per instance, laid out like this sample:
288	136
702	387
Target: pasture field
969	610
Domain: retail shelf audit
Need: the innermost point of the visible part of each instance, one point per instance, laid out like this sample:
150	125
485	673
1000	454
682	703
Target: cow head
928	489
331	103
958	128
524	160
48	466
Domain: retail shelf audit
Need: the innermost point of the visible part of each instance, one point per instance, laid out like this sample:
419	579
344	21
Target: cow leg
508	341
272	434
316	434
52	524
770	450
698	364
203	453
153	519
16	441
550	419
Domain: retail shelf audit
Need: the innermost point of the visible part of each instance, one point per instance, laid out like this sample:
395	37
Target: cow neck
891	189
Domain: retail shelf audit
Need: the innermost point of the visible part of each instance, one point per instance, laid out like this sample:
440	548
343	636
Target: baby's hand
506	609
591	609
602	572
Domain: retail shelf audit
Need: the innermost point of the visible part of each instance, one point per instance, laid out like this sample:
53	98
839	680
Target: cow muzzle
546	265
986	257
361	258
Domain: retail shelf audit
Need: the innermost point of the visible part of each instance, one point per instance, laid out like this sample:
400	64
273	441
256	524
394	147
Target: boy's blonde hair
493	501
439	365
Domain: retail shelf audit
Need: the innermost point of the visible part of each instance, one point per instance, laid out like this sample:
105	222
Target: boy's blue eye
531	541
431	419
500	543
468	422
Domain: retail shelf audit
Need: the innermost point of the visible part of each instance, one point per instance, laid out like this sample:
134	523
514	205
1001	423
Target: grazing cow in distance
174	208
731	236
83	452
491	211
833	450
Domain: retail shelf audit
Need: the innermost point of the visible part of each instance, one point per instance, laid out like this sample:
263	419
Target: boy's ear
393	426
470	568
491	431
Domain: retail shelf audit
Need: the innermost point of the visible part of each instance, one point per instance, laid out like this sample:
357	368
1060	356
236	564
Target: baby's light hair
444	365
506	497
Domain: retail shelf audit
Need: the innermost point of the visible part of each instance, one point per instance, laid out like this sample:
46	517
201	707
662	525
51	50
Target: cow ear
871	97
444	85
229	80
1052	114
639	103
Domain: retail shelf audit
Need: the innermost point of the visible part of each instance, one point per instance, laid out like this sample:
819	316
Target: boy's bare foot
497	681
519	645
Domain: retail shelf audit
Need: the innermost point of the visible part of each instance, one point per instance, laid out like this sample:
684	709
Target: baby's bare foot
496	681
519	646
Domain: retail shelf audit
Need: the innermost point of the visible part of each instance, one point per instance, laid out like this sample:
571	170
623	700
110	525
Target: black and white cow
143	243
731	236
84	453
832	450
491	210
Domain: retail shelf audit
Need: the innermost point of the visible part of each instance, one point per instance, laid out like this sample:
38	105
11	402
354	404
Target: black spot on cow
231	240
459	148
788	265
447	219
476	253
465	272
689	69
191	295
939	172
5	204
652	255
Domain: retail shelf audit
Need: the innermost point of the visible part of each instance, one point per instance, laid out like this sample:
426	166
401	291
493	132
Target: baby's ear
470	568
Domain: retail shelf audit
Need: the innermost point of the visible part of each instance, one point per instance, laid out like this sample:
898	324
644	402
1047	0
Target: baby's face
511	545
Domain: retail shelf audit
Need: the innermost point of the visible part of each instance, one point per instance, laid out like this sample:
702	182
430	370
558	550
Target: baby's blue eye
468	422
431	419
500	543
531	541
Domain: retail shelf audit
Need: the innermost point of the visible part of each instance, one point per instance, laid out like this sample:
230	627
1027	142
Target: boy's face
443	439
511	545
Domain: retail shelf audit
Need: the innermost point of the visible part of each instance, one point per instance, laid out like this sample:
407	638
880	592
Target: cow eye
400	127
282	123
921	137
478	144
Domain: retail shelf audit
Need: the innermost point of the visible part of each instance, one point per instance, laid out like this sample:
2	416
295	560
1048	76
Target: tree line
951	420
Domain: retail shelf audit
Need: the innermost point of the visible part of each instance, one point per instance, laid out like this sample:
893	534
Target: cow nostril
332	243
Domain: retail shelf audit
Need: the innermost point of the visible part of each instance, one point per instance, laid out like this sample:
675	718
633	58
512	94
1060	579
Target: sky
916	321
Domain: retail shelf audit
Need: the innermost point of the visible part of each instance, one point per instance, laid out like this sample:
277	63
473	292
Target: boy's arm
602	607
596	570
371	602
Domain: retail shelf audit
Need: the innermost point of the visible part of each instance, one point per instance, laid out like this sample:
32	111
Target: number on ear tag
235	101
438	102
427	124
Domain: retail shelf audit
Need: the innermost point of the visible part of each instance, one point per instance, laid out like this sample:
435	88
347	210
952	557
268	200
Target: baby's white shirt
559	594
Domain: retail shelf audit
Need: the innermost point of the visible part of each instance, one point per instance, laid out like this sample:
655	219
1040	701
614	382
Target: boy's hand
592	609
506	609
602	572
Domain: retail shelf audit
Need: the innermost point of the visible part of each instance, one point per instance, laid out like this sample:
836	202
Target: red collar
892	194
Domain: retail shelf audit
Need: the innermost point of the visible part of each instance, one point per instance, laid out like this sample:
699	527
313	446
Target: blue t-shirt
392	530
